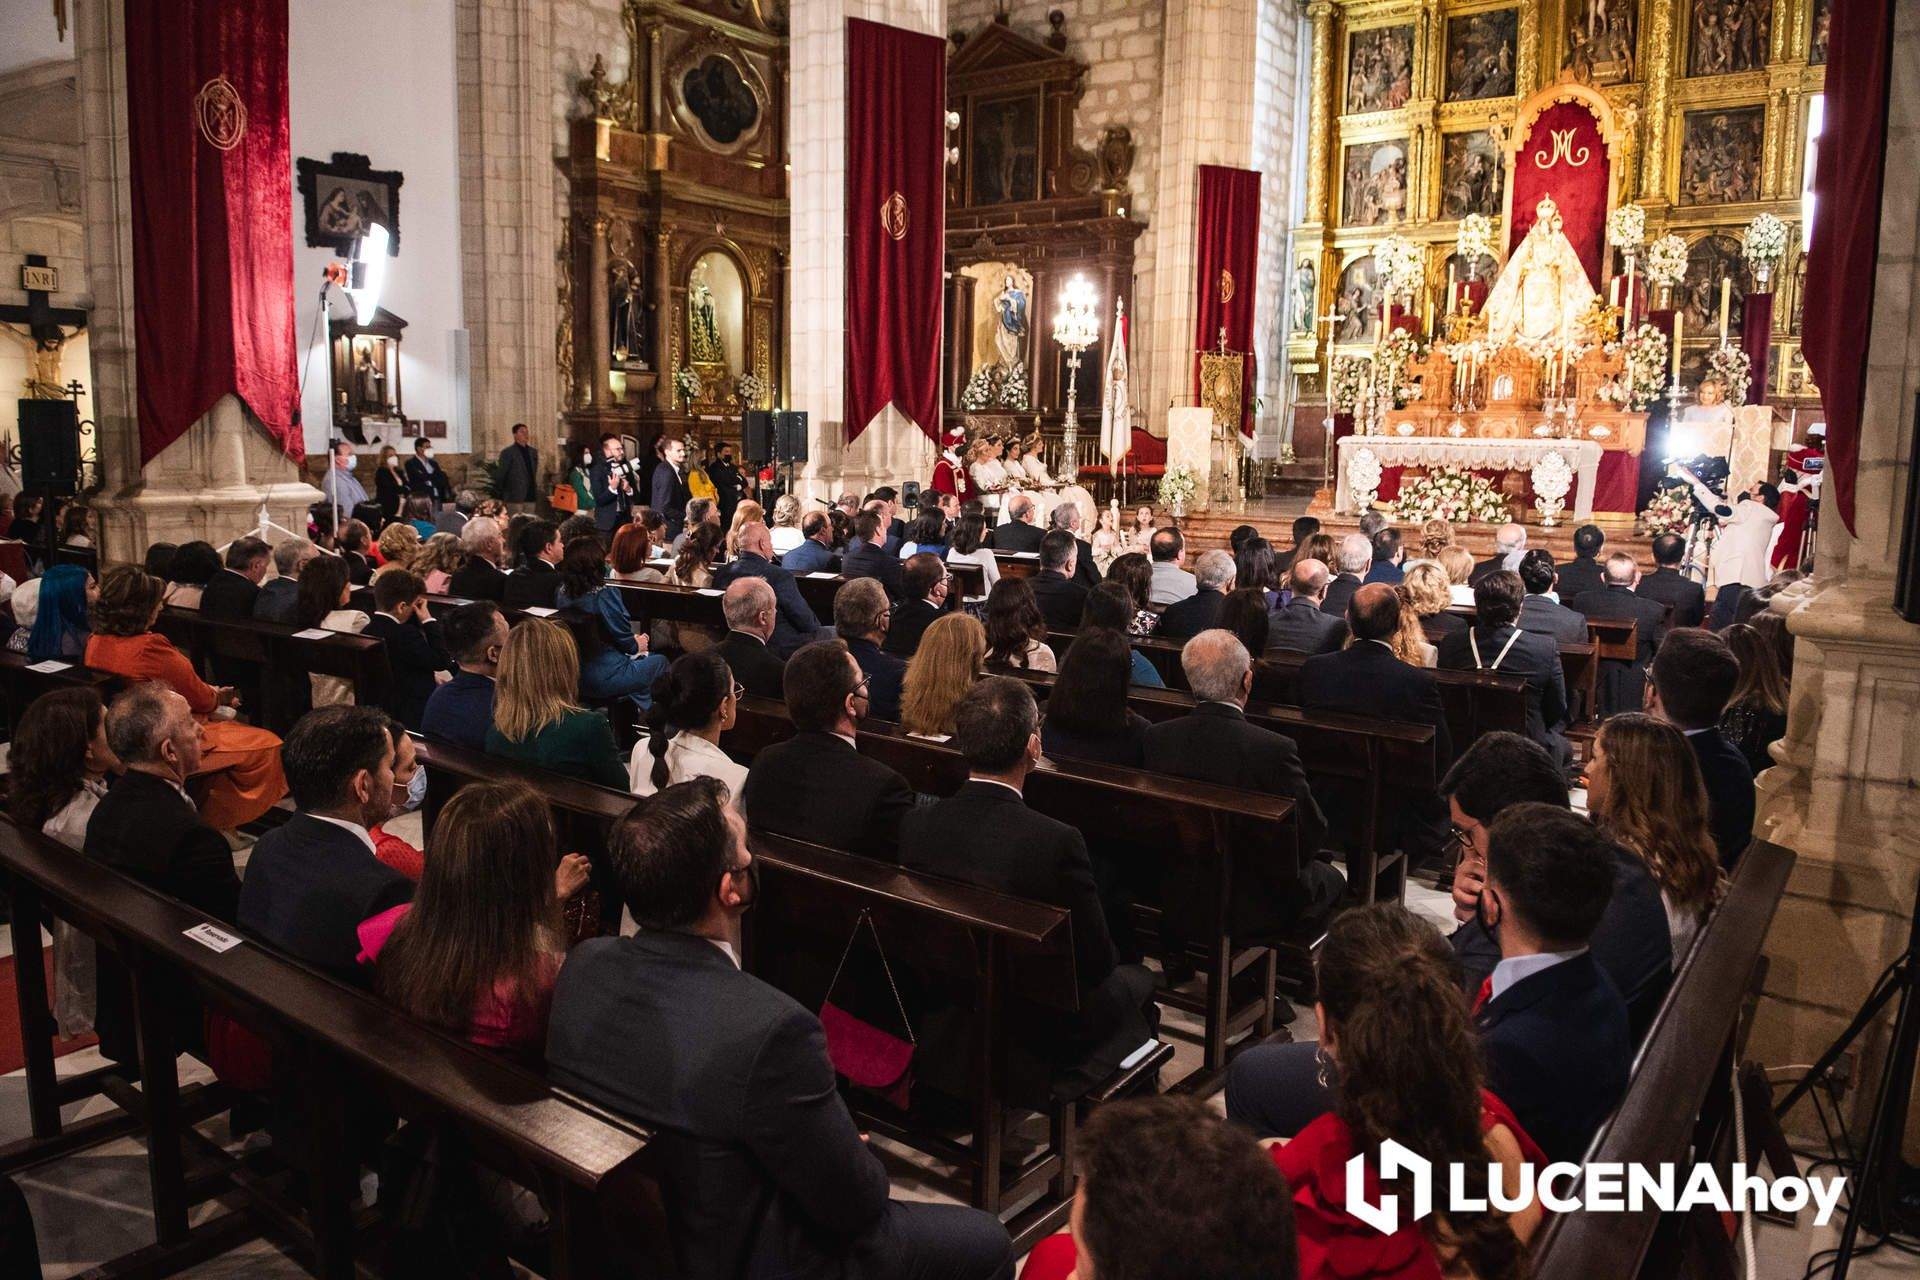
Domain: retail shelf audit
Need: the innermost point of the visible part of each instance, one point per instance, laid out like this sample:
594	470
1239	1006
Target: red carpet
12	1052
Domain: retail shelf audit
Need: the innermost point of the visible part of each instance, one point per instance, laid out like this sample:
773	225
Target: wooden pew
285	658
1016	564
590	1168
1475	702
20	685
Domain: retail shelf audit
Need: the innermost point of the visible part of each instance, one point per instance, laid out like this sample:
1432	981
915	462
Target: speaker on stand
789	441
50	458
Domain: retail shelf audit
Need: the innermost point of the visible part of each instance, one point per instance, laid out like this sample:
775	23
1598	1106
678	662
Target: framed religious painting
1373	188
1357	300
1472	177
1725	36
1710	260
1480	54
344	196
1817	36
1601	36
717	97
1003	158
1379	69
1720	152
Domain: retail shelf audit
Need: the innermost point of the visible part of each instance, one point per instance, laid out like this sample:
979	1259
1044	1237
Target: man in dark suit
865	557
1583	573
1019	533
231	592
1623	684
815	552
277	595
415	656
425	479
985	835
923	598
1213	575
355	539
1060	598
729	483
1066	517
1353	557
1693	676
1667	585
816	786
889	509
537	581
147	828
479	577
1214	743
1387	556
861	614
1494	643
612	486
312	880
461	710
519	469
751	610
795	624
454	518
1304	527
1508	544
1301	625
1540	613
670	491
766	1169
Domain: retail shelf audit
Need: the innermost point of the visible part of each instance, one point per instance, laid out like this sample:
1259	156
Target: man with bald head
1301	625
794	623
751	611
1019	533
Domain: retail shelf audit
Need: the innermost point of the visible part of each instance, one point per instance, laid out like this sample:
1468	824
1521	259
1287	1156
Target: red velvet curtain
1756	339
213	231
896	214
1846	230
1224	280
1564	156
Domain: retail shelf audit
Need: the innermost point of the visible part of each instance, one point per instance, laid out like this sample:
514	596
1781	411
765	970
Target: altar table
1553	465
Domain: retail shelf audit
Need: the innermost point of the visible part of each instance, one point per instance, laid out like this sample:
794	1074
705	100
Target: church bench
590	1168
1679	1101
1163	654
1165	824
1017	564
285	659
20	684
1475	702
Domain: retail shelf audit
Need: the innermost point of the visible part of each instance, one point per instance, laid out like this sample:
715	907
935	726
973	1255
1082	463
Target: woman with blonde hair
398	543
1429	590
748	512
537	717
437	560
1409	643
1435	534
1645	790
1458	562
785	532
941	671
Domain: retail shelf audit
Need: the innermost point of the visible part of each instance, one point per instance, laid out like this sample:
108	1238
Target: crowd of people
1506	1039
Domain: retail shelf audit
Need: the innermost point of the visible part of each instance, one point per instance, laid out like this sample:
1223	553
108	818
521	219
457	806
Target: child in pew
415	657
325	589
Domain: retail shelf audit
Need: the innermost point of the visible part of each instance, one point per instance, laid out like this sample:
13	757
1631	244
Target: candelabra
1076	326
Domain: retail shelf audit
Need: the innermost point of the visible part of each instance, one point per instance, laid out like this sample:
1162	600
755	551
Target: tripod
1888	1124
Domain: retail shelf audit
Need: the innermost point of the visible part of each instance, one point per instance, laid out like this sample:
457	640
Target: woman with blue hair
60	630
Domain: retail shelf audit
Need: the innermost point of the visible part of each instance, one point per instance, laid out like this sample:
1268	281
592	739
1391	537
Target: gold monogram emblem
1562	150
221	115
893	216
1226	286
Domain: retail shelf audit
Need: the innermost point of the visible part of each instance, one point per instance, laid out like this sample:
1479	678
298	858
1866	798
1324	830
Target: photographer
613	481
1740	550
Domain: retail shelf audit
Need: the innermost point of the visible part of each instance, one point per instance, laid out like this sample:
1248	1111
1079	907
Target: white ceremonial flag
1116	413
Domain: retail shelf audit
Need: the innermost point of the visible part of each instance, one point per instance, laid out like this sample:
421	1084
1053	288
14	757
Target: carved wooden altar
1506	389
678	225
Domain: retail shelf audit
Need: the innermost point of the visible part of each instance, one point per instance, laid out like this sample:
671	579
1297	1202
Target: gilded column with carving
1526	62
1653	188
1320	112
599	317
663	324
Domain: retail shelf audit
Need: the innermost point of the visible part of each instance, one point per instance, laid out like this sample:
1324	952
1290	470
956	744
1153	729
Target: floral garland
1730	365
1343	390
1450	494
1627	227
1401	265
1766	242
1177	487
750	388
1398	350
1474	239
1667	261
688	384
979	392
1671	511
1645	375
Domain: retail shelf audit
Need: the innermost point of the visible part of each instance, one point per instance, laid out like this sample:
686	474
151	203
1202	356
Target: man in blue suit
815	552
794	623
461	710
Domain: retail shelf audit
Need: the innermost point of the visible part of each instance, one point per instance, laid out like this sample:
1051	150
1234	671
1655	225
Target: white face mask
352	461
426	455
394	462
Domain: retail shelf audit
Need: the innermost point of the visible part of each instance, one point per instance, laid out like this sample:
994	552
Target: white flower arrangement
1398	350
1627	227
1177	487
750	389
1730	365
1474	239
1013	389
1645	376
1401	264
1667	261
1343	389
1766	243
1671	511
1461	497
688	384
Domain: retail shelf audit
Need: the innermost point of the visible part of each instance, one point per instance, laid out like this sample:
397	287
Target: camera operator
1746	529
612	477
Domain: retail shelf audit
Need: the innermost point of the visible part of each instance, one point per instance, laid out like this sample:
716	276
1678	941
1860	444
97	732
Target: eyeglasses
860	690
739	691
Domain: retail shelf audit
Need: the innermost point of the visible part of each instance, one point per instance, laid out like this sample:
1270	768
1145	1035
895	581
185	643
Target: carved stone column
1526	60
1320	111
598	317
664	323
1653	185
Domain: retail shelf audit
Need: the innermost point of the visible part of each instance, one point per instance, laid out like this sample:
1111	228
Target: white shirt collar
726	949
1707	728
1382	643
849	739
694	744
354	827
1514	968
995	782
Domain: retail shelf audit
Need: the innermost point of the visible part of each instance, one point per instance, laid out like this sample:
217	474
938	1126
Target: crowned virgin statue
703	330
1543	291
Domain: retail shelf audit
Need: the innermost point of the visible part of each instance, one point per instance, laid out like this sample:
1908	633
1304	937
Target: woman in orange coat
240	764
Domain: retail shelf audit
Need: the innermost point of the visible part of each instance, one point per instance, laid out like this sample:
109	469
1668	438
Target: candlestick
1613	292
1452	268
1726	296
1676	349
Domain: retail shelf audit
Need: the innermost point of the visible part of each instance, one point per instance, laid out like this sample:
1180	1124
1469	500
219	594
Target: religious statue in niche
1728	35
704	344
1379	69
1005	160
370	381
1472	178
1720	156
628	327
1357	301
1697	298
1010	338
1305	294
1543	292
1375	189
1600	38
1817	40
720	99
1480	54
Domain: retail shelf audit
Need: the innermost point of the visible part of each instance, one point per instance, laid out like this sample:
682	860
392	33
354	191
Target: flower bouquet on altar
1343	389
1398	350
1177	487
1450	494
1640	383
688	384
1730	365
1667	261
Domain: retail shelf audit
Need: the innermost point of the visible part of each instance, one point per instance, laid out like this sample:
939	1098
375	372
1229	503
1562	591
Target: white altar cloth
1363	457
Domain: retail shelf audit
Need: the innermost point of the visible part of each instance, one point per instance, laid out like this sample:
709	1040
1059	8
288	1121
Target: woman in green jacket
537	719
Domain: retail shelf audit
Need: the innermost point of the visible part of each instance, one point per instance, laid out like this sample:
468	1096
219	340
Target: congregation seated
356	545
461	710
437	560
785	526
1494	643
60	629
926	535
416	657
537	717
419	513
392	849
867	556
1623	684
1213	576
1584	572
692	567
1693	675
860	616
1430	591
1065	518
1018	533
231	592
1509	544
1352	559
1167	549
1668	586
1134	571
397	544
985	835
924	584
763	1165
1055	592
1087	713
1016	633
752	611
1255	567
1109	606
1302	624
939	674
1756	713
694	702
1540	612
1247	615
794	621
193	566
816	786
614	662
969	545
1303	528
323	602
536	579
814	551
629	557
1388	556
278	594
239	765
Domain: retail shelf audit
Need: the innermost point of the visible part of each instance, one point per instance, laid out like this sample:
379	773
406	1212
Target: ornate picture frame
342	195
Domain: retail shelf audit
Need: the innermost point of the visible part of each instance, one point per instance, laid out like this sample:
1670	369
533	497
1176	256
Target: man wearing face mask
311	881
146	827
344	492
424	476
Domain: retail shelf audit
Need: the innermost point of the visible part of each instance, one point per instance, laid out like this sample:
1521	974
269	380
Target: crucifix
46	331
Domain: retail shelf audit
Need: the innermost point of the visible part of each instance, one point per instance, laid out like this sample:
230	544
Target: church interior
1181	589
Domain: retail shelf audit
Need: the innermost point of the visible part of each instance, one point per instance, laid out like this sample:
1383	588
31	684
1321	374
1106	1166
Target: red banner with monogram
1228	229
1563	155
896	216
213	226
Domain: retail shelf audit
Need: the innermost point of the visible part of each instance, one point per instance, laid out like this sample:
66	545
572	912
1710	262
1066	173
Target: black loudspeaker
790	436
910	494
50	446
756	436
1906	584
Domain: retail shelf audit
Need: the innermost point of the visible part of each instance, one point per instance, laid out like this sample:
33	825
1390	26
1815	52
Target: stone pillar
1843	793
664	321
598	318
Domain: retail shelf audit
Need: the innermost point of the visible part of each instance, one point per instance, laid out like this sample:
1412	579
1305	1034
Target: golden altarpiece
673	262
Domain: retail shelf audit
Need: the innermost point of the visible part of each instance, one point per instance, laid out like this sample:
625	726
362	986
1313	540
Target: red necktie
1485	994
